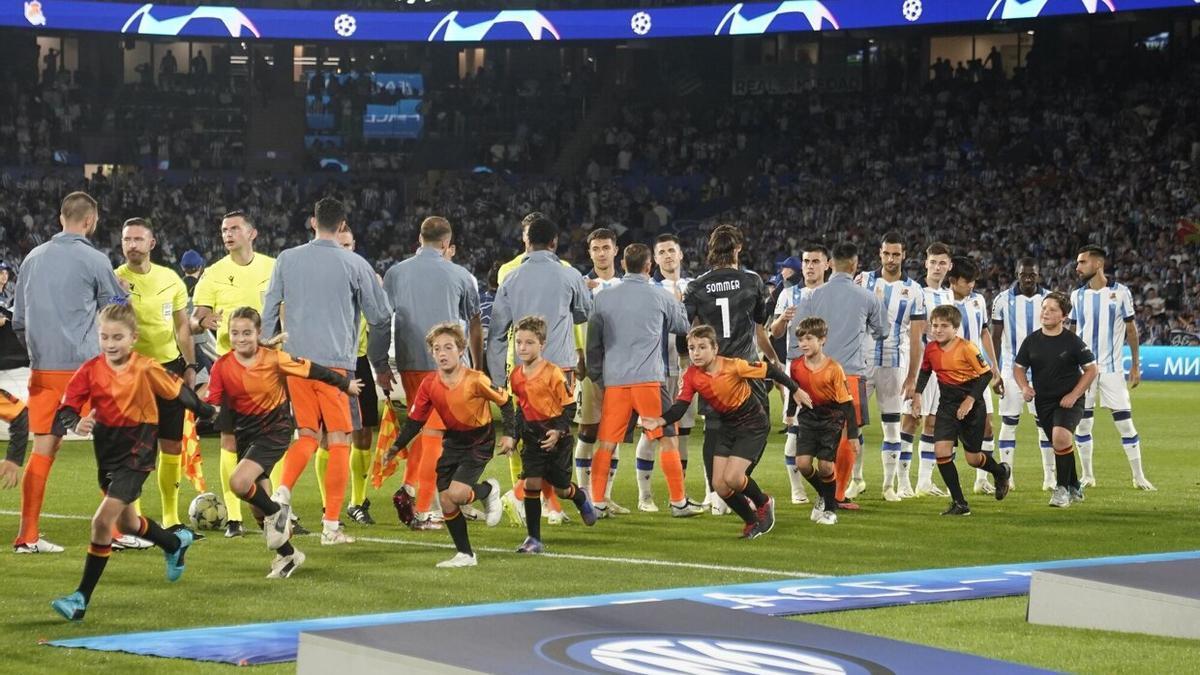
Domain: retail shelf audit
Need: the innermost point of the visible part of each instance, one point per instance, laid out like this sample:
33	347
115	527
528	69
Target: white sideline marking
612	559
565	556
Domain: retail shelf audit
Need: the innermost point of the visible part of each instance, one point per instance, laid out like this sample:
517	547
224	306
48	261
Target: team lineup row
616	339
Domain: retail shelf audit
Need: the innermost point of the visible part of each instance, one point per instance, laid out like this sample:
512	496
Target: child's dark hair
814	326
447	328
120	312
948	313
534	324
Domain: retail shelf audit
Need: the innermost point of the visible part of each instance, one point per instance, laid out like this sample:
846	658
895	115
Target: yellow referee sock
319	465
233	504
169	472
515	466
360	465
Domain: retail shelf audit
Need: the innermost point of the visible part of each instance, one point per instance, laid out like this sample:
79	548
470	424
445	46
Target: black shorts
224	422
266	455
554	465
745	442
820	435
463	464
368	399
969	430
122	483
170	411
125	456
1050	414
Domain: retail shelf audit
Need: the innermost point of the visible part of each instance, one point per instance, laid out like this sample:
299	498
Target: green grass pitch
393	570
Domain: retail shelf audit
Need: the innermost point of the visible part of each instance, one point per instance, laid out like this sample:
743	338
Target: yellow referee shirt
226	285
155	297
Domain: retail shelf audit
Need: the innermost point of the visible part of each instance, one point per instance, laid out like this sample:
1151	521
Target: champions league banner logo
736	23
507	25
232	18
534	24
1028	9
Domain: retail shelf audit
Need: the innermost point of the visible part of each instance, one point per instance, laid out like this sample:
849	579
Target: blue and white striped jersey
902	301
1020	315
1100	318
603	285
934	297
792	297
974	319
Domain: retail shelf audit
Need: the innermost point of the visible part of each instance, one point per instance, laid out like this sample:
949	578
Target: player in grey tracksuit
629	344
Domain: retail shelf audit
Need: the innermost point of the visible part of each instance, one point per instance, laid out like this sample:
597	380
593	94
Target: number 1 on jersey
723	303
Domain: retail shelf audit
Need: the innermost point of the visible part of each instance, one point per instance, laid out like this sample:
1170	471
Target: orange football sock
337	477
412	465
295	460
551	498
601	462
672	468
519	489
33	492
427	489
843	467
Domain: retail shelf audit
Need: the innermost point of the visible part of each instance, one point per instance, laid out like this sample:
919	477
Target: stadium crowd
1039	165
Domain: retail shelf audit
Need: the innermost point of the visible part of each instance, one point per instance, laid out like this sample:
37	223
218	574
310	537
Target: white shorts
989	402
591	401
888	385
1013	400
1114	394
689	418
930	398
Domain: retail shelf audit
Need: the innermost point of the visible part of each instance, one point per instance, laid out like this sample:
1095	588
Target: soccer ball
640	23
344	25
207	512
911	9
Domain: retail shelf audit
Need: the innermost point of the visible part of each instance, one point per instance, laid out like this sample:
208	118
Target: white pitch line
612	559
565	556
52	516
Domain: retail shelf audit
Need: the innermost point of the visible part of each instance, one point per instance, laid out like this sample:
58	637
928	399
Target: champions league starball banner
526	25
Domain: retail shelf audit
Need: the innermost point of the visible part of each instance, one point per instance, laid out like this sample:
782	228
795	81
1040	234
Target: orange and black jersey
465	410
544	401
124	399
961	369
826	386
257	393
727	390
